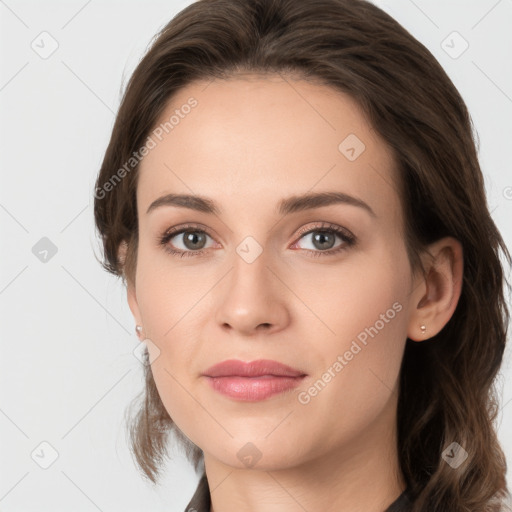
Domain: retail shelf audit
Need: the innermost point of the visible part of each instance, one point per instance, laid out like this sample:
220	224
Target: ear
130	286
435	295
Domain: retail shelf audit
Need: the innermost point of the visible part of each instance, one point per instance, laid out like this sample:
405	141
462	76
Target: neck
361	475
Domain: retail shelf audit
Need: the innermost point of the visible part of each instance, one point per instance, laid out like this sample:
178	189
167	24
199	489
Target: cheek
357	379
352	298
368	314
169	308
165	302
377	319
164	295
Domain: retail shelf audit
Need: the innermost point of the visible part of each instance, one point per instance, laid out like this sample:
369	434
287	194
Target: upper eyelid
327	226
181	228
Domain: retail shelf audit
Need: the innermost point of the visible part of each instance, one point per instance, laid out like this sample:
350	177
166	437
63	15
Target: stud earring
138	329
423	329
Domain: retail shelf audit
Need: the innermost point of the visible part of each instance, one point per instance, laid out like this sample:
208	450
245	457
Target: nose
252	299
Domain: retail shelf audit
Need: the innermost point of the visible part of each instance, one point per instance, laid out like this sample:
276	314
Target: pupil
321	238
193	238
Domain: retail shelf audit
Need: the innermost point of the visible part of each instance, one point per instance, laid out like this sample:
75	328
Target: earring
423	329
138	329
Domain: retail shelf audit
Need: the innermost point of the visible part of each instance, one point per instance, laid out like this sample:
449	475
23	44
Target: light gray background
67	371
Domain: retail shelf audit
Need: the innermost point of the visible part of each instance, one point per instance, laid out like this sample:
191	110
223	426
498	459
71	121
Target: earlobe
134	308
121	253
437	293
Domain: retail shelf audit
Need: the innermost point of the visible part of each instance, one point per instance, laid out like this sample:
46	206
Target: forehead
263	138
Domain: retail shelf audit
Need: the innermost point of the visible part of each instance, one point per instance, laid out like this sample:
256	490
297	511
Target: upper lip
235	367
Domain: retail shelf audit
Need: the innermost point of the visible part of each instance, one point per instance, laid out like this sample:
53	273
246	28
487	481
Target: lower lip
253	389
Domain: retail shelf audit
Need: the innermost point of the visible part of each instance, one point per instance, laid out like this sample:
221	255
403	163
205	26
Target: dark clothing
201	502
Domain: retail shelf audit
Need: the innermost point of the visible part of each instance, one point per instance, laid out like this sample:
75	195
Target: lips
259	368
253	381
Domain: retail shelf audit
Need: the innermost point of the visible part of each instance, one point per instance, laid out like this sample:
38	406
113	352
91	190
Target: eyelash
345	235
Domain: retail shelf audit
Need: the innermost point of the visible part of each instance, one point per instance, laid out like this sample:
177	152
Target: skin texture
251	141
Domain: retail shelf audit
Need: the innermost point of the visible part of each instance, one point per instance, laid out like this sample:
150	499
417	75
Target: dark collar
201	501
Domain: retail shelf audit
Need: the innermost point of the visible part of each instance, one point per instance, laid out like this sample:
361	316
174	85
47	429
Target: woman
293	198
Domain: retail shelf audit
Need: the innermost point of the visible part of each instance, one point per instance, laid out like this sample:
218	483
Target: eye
323	238
191	238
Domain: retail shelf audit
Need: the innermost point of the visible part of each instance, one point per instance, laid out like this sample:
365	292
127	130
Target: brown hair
447	384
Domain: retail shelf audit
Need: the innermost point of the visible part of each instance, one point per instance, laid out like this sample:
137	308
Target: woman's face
270	282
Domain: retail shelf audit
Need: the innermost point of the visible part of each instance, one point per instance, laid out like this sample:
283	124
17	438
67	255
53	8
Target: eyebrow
286	206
